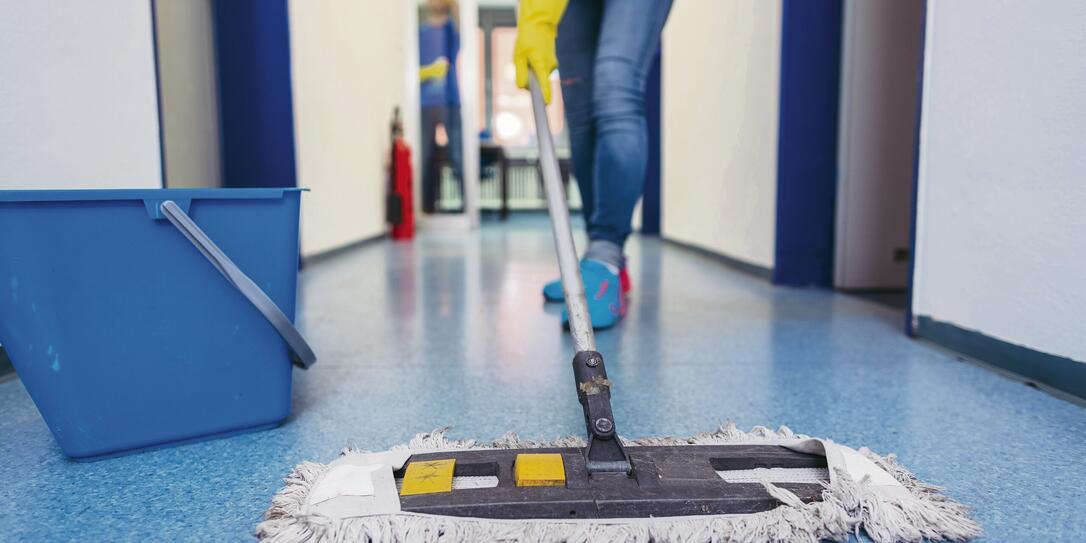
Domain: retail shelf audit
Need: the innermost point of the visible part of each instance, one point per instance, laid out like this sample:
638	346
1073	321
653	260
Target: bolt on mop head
726	485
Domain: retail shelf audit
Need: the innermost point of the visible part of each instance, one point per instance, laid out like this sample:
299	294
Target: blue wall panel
807	144
255	104
650	201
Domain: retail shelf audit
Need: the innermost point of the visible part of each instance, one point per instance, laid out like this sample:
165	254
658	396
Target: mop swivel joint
604	452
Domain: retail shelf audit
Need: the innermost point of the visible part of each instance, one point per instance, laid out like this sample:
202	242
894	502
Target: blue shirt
436	42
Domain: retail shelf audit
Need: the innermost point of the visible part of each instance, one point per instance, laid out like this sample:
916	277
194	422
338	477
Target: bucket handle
303	354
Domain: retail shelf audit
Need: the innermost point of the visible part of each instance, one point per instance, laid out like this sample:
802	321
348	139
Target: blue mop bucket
142	318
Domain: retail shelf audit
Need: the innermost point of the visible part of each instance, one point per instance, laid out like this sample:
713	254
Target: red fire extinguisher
399	205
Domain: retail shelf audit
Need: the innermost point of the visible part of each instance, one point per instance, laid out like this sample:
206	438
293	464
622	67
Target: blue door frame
910	325
256	114
650	200
807	142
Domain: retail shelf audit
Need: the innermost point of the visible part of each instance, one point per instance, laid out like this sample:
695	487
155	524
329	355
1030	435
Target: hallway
452	330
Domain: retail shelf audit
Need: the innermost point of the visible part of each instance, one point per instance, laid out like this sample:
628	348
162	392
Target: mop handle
580	324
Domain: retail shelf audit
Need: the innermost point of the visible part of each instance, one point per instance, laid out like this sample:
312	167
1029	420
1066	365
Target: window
512	124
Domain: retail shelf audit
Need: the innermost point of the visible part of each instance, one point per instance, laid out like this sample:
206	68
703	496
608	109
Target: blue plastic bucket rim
73	195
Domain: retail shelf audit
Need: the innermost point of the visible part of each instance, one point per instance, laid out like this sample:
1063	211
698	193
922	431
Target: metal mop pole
580	324
604	452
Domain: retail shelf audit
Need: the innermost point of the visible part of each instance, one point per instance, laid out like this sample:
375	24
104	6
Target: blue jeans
605	48
449	116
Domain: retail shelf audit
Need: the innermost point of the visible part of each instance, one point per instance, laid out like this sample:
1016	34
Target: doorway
880	84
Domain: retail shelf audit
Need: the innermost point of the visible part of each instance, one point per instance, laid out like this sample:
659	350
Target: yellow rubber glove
537	28
434	70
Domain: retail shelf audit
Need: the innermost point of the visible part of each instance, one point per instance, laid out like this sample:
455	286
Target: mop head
343	501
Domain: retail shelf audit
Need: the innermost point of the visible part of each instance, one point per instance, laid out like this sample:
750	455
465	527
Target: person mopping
604	49
439	96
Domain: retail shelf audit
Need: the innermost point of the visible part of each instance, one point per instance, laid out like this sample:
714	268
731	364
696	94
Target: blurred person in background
603	50
439	96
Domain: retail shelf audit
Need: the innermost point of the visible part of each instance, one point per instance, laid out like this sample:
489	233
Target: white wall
879	83
347	61
720	87
78	100
411	109
1001	233
189	93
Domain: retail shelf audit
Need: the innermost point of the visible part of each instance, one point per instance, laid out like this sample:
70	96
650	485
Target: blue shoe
603	291
552	292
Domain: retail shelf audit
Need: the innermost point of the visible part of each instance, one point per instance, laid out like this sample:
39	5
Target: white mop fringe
847	507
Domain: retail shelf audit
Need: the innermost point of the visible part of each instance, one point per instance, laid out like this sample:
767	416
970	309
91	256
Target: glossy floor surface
451	330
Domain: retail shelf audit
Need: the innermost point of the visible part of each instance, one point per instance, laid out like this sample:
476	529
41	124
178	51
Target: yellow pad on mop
428	477
539	470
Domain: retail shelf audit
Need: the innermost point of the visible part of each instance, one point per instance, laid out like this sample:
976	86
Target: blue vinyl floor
451	330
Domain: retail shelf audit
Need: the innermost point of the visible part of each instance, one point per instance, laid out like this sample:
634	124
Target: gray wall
881	53
189	93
